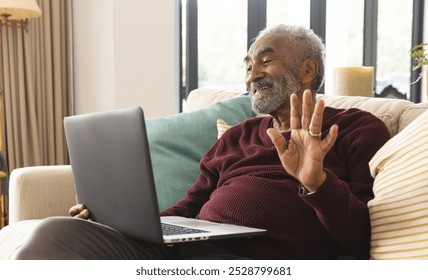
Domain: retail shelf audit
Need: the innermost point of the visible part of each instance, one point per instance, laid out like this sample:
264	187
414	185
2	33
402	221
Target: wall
125	54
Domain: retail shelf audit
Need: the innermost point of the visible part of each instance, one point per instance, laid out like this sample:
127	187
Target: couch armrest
40	191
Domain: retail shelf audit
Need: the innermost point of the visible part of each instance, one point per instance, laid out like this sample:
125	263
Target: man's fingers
306	109
295	112
316	121
79	211
75	209
328	142
83	214
277	139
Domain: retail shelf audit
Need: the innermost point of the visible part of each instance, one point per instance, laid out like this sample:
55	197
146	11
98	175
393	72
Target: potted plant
419	54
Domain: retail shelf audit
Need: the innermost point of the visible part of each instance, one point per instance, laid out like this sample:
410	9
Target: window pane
288	12
394	43
222	43
344	35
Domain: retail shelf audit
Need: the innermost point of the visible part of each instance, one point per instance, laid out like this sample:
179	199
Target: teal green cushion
178	142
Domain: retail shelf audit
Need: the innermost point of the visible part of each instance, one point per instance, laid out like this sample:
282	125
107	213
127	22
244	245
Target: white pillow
399	210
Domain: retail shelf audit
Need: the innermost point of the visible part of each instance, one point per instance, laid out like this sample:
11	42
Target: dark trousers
65	238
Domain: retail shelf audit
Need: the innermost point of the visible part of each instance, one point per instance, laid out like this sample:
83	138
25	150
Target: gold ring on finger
317	135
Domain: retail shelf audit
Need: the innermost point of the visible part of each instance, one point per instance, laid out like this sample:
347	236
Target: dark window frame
257	10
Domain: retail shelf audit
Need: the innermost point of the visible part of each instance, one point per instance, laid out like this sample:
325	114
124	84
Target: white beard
270	99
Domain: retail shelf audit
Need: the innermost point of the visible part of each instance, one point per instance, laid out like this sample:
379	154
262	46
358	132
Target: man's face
272	75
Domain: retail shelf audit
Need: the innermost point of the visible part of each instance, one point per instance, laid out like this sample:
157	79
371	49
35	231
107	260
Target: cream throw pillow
399	210
222	126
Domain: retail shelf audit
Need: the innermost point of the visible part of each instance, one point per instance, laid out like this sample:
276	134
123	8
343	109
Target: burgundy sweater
242	182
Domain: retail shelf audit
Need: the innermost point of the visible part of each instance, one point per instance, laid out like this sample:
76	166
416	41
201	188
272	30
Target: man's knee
57	226
47	235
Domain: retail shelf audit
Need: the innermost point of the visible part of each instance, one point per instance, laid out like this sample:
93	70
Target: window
222	43
288	12
356	32
344	35
393	45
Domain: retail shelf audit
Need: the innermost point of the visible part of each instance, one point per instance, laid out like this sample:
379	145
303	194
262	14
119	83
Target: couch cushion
222	126
388	110
399	212
204	97
410	113
178	142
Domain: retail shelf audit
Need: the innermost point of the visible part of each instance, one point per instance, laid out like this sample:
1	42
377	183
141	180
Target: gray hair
306	42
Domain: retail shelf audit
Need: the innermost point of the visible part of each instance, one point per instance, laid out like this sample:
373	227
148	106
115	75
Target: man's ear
309	70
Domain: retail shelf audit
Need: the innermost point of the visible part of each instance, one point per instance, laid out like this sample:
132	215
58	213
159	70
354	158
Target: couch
41	191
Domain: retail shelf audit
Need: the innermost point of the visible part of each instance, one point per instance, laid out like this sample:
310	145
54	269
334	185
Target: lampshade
20	9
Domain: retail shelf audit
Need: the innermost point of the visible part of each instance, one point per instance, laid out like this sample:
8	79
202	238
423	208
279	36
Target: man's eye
266	61
249	69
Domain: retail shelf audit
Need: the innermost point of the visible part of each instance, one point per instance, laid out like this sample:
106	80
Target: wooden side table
3	202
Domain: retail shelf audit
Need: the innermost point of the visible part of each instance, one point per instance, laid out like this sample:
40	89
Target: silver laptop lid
97	142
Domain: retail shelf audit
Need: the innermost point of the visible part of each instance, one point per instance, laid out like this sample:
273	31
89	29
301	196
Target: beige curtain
37	91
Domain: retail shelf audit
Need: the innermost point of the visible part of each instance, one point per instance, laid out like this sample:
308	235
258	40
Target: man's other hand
79	211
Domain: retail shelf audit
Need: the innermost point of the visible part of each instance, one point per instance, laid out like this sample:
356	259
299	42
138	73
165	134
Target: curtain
37	87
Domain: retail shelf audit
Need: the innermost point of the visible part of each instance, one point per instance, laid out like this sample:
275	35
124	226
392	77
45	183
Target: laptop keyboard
168	229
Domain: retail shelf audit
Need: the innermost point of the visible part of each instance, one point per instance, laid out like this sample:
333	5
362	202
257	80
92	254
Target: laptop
112	170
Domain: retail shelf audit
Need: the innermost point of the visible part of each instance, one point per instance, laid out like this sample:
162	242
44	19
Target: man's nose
254	74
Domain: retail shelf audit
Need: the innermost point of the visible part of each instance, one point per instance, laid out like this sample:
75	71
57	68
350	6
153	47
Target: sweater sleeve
341	201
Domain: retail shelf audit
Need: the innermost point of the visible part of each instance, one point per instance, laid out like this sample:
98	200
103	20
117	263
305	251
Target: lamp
13	14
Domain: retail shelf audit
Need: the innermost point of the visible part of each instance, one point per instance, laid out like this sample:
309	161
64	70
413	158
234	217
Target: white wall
125	54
